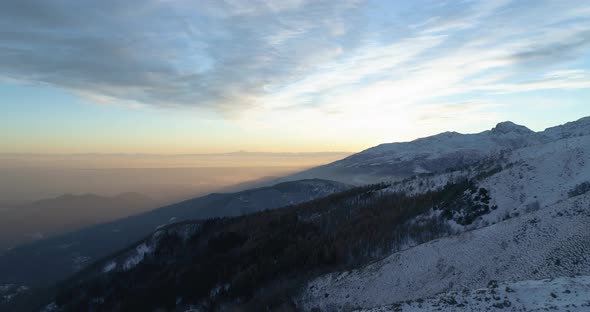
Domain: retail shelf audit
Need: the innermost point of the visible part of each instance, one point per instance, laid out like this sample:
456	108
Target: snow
10	291
542	173
109	267
50	307
560	294
503	137
423	184
508	127
535	176
132	258
419	170
571	129
140	251
219	289
538	230
440	152
551	242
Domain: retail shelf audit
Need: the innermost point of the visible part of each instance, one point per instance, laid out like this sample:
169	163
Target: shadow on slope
45	262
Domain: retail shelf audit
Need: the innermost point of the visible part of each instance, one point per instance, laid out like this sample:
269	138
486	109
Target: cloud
561	80
468	18
264	57
210	54
555	51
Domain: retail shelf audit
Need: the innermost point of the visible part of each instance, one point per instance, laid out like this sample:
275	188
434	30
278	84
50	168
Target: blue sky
294	75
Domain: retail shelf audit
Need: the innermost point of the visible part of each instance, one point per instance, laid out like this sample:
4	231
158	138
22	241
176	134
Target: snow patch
109	267
560	294
140	251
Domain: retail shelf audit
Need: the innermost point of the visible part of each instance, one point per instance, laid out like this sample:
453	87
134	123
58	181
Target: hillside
256	260
47	261
561	294
537	227
549	243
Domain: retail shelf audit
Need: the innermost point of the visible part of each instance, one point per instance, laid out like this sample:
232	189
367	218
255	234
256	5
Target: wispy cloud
562	80
211	54
325	58
453	112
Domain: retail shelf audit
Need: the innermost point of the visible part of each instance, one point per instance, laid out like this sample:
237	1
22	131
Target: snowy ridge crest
440	152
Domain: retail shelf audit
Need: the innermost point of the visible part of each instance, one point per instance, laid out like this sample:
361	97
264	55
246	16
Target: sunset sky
164	76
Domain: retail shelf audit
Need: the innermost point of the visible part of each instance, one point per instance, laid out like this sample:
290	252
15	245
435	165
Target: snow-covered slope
551	242
523	180
561	294
438	153
539	176
539	227
571	129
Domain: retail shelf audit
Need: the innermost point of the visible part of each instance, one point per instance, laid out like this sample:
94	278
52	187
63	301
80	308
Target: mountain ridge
437	153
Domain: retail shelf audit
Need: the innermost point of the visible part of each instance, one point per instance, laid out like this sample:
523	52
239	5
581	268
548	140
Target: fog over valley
46	195
164	178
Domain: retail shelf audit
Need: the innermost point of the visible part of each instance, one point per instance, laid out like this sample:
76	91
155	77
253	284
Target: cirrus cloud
265	56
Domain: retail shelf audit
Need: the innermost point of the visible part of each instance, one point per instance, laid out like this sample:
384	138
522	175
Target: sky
213	76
